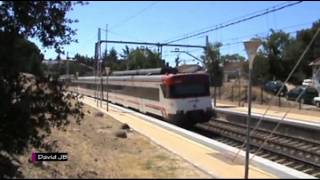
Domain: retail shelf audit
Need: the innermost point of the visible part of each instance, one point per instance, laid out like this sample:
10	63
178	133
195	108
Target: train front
188	99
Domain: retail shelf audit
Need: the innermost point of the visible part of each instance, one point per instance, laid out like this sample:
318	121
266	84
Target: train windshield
186	86
189	90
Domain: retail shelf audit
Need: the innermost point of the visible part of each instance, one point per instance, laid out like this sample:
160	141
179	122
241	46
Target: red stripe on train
134	102
162	109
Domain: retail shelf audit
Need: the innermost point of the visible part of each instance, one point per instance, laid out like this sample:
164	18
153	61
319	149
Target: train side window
140	92
150	93
164	91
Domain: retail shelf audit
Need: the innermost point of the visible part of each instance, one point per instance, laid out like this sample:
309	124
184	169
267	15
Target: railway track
298	153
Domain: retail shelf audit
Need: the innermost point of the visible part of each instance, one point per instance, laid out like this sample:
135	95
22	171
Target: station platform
303	119
213	161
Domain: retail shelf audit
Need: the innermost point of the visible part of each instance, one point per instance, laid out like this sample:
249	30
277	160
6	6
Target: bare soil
95	151
227	94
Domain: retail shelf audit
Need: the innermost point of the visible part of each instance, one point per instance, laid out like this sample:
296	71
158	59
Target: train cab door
141	101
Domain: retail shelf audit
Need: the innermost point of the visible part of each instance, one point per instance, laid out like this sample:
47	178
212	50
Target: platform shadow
229	158
226	106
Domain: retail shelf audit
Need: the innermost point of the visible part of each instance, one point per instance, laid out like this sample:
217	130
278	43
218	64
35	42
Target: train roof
165	75
150	71
142	77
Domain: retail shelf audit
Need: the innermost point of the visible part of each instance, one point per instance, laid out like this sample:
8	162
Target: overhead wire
278	29
237	21
217	25
261	37
133	16
202	29
278	93
289	76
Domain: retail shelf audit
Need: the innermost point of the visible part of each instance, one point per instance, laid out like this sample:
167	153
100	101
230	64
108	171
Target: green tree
260	71
290	57
233	57
304	37
28	59
125	56
111	60
45	20
213	63
125	53
31	104
88	61
273	48
141	58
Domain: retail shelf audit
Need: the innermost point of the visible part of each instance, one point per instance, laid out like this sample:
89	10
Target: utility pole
67	69
159	45
177	59
239	78
209	62
251	49
107	69
106	40
98	63
107	72
207	51
100	71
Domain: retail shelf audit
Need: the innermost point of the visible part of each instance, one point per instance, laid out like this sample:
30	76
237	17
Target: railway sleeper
280	161
308	156
308	170
252	150
299	167
239	135
277	147
274	157
300	144
259	153
265	155
274	146
286	141
289	163
307	146
316	174
293	143
314	148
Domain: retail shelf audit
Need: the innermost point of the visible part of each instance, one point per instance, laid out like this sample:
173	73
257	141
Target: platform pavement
271	113
218	164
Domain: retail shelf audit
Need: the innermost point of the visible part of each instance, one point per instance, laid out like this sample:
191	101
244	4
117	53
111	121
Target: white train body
182	99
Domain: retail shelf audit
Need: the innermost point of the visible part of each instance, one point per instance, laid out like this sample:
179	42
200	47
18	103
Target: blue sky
158	21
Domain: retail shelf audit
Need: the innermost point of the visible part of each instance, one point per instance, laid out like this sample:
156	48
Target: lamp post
107	69
251	49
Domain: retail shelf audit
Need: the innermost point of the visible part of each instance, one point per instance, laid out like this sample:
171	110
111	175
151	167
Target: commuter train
179	98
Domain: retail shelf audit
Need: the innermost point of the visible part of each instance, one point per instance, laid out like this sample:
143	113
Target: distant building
61	61
189	68
49	62
54	67
316	73
232	69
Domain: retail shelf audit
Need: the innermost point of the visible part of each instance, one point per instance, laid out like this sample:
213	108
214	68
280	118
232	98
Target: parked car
274	87
307	82
307	94
316	101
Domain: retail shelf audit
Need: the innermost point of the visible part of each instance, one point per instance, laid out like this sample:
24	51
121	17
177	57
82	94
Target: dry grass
268	99
95	152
